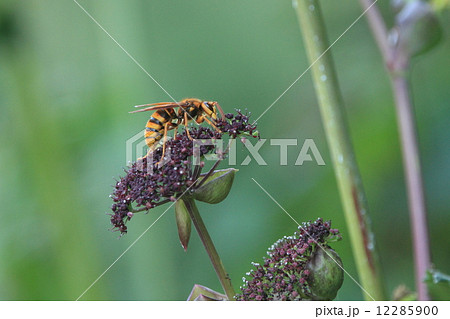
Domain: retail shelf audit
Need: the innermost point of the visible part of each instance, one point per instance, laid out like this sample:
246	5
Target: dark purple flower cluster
236	125
150	182
284	274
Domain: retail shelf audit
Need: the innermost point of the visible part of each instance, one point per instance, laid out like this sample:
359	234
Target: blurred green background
65	92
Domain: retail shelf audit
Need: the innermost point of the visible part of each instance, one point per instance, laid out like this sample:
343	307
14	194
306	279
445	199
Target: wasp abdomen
155	125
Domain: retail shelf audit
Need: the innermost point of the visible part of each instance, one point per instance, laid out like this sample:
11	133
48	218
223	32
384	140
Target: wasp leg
211	123
151	149
164	142
186	125
175	132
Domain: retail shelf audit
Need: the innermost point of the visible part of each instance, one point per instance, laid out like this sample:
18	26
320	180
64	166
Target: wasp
166	118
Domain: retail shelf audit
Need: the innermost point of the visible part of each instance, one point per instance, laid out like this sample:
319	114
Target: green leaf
438	285
202	293
183	223
216	187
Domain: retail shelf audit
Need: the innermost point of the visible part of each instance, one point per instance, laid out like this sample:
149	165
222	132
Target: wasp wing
156	106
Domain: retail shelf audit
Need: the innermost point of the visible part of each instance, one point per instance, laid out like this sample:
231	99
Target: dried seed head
286	273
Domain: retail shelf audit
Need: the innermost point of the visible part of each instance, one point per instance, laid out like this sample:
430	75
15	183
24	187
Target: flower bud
326	273
183	223
417	28
217	186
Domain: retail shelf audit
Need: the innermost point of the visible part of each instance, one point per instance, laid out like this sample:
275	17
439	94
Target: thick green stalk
209	246
347	174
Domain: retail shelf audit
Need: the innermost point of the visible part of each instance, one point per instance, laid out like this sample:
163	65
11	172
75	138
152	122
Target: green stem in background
209	246
334	120
416	199
397	63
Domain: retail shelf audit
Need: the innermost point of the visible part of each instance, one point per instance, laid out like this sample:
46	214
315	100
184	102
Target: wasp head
213	107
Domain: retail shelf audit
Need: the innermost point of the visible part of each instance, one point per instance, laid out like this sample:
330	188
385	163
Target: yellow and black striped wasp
166	118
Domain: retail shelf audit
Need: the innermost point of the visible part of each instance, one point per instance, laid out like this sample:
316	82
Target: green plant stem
397	63
347	174
209	246
414	183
